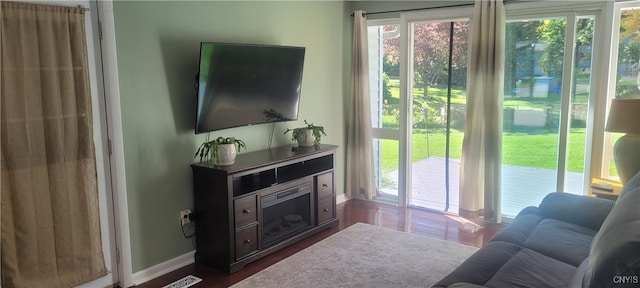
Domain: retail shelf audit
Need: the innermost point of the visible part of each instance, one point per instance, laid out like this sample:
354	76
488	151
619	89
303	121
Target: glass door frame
406	85
525	11
603	155
403	134
381	133
603	14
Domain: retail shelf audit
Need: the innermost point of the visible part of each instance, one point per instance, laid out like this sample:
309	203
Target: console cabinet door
245	211
325	185
325	209
246	241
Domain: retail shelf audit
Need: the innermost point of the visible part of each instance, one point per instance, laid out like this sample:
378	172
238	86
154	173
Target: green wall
157	50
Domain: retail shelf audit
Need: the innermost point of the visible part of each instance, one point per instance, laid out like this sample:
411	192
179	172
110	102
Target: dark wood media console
267	200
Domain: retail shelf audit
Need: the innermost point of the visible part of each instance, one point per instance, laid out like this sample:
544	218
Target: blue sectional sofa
567	241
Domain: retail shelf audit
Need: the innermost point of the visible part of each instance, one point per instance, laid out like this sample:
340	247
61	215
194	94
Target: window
626	68
555	93
418	113
384	88
547	88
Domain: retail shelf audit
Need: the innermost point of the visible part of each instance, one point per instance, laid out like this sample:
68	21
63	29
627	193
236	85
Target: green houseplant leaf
210	149
318	131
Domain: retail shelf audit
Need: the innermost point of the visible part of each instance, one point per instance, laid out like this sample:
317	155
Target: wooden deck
521	186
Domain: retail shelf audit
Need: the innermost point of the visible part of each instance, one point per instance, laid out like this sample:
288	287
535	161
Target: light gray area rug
364	255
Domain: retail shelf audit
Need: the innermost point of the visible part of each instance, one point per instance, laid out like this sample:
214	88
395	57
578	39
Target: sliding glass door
418	88
418	108
547	92
437	96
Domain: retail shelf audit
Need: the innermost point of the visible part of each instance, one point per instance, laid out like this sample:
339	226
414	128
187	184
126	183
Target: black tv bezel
197	83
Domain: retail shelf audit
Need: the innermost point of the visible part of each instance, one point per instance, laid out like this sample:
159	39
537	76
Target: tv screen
240	84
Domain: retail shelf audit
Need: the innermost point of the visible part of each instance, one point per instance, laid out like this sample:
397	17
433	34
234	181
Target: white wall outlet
184	216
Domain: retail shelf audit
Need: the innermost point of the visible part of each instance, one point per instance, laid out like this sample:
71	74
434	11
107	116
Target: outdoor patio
521	186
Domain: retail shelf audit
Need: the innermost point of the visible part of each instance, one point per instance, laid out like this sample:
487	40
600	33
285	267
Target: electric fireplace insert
285	213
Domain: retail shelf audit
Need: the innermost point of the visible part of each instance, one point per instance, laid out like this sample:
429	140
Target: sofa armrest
528	210
615	249
581	210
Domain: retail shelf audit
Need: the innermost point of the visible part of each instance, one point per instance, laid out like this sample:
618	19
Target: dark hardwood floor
416	221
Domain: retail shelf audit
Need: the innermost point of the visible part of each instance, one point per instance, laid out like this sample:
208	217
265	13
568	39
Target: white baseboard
341	198
163	268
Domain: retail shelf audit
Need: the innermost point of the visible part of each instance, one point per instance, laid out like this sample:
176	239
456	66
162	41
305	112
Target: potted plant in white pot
307	136
221	150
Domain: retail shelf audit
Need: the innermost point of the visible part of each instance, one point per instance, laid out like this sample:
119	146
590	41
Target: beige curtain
359	179
50	220
481	149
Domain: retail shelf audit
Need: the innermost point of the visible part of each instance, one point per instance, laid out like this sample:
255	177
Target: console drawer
245	211
325	185
325	209
246	241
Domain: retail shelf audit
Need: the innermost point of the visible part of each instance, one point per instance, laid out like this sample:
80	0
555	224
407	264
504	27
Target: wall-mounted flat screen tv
242	84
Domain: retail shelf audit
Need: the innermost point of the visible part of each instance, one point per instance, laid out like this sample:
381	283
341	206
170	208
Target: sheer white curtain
482	146
359	178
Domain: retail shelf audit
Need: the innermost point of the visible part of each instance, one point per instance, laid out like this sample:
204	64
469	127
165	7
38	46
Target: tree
629	54
629	48
553	33
519	37
431	51
630	26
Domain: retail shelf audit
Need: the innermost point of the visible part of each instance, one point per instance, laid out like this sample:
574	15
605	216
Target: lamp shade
624	116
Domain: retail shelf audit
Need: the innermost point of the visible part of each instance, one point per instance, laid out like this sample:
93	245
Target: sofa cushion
518	231
482	265
563	241
578	278
529	268
465	285
584	211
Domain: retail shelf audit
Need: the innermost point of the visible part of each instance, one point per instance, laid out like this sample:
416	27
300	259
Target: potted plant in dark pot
221	150
308	135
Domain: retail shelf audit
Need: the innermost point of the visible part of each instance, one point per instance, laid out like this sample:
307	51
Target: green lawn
520	149
458	96
536	149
